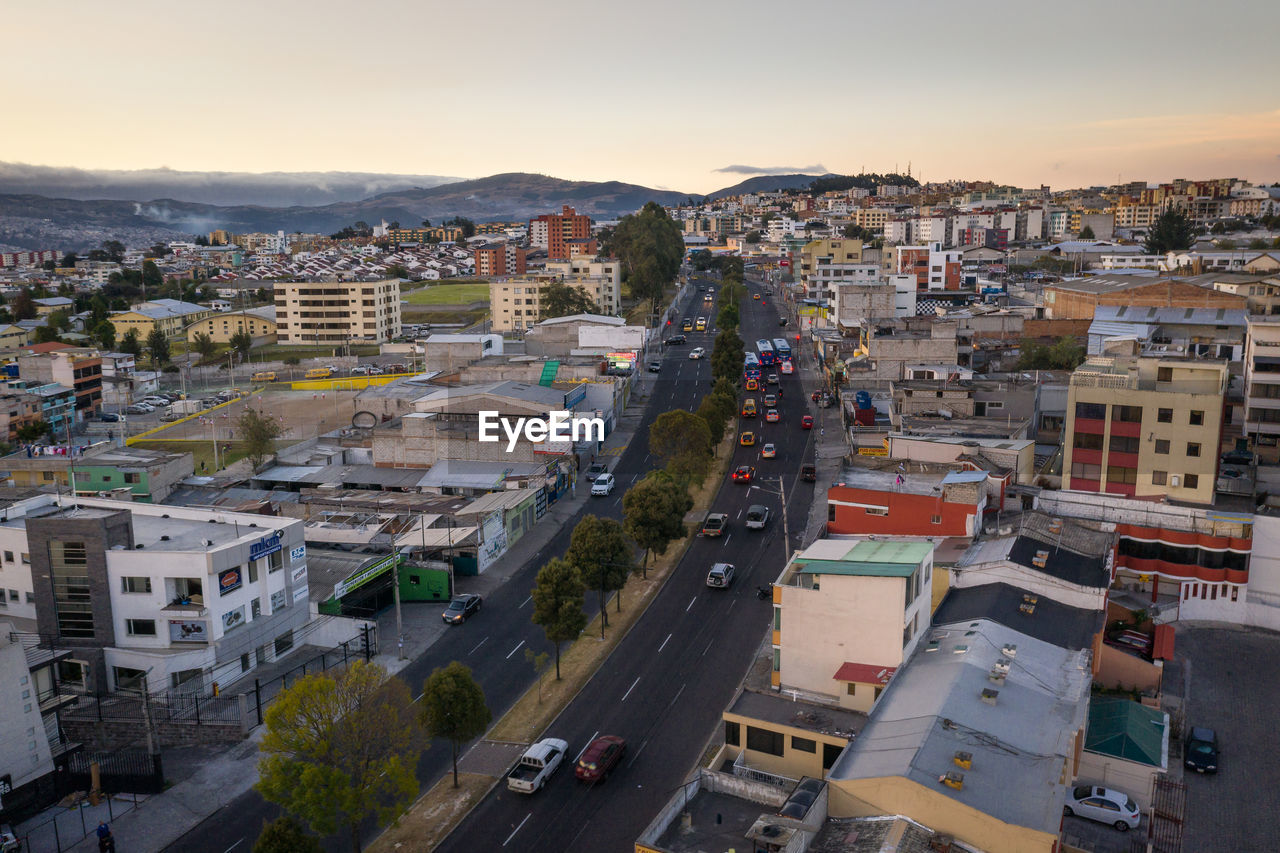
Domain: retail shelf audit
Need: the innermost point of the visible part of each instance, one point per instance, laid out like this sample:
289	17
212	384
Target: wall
909	514
1119	670
1263	595
793	762
1136	780
1032	581
24	748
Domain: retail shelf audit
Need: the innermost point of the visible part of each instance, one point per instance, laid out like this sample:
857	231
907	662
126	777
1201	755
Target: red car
600	756
806	422
744	474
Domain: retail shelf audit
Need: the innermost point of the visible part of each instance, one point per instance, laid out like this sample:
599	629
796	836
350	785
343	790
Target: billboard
187	631
611	337
230	580
268	544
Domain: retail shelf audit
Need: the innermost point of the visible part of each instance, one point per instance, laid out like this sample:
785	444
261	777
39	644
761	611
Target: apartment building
324	313
260	323
516	303
1262	381
559	228
171	315
77	368
426	234
499	258
1145	427
934	267
846	616
149	475
825	263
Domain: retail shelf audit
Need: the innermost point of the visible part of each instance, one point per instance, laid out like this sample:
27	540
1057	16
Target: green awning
1122	728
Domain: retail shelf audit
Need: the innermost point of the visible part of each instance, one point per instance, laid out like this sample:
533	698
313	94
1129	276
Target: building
890	502
159	596
826	263
260	323
325	313
55	404
499	258
17	409
148	475
1262	381
48	305
847	614
74	367
1145	427
26	761
1078	299
1204	332
171	315
515	304
559	228
426	234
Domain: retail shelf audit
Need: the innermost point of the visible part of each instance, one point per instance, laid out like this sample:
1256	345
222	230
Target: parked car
720	576
744	474
536	765
1104	805
1201	751
1238	457
655	367
109	417
757	517
600	756
596	469
462	607
809	473
697	352
806	422
715	524
768	451
602	485
396	368
138	409
782	321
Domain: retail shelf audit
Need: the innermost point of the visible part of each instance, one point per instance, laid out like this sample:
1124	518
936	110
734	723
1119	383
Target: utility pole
395	589
786	531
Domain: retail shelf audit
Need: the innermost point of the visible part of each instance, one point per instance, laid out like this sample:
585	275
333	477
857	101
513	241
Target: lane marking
517	829
677	696
516	649
691	601
664	643
727	538
707	649
637	755
233	846
526	601
590	740
478	645
629	689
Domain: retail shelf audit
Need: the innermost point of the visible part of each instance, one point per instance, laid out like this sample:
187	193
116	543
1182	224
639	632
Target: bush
171	368
293	359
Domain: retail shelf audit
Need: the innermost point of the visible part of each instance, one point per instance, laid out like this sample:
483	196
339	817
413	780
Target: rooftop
718	821
1051	622
884	477
1125	729
896	558
880	834
785	711
1068	550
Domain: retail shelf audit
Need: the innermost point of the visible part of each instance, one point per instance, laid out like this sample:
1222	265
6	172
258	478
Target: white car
697	352
1104	805
786	368
602	485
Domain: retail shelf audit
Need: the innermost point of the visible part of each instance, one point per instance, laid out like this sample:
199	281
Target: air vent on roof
1027	607
1040	559
213	521
932	646
996	677
1002	665
164	515
164	537
963	760
989	695
1009	650
948	723
952	779
959	649
138	546
253	524
1055	526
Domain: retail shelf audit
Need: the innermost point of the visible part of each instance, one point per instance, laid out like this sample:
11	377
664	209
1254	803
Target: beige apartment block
515	304
324	313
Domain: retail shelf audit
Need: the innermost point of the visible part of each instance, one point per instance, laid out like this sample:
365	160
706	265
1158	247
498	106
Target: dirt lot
303	414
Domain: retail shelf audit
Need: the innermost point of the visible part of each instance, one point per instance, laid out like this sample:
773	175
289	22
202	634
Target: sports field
445	293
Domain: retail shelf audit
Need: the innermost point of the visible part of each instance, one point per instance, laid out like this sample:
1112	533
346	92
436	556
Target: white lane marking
727	538
590	741
732	602
707	649
691	601
237	844
677	696
637	755
739	515
526	601
516	649
664	643
517	829
629	689
478	645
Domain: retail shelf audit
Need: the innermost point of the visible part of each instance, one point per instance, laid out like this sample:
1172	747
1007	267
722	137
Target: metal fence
68	827
163	707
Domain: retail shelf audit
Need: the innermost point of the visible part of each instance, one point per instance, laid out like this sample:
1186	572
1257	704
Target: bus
767	355
751	362
782	349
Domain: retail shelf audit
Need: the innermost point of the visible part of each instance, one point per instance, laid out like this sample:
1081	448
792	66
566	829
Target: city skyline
956	93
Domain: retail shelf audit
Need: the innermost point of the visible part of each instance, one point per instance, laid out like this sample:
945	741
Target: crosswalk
612	451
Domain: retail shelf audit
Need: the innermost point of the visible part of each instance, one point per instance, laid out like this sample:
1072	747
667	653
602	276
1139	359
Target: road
664	687
492	643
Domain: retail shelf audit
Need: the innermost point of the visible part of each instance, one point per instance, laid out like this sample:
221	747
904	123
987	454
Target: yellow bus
319	373
264	376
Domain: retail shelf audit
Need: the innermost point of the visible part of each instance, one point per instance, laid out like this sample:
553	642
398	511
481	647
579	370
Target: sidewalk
830	449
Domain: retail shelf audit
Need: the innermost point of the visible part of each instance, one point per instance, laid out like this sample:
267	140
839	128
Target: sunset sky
664	93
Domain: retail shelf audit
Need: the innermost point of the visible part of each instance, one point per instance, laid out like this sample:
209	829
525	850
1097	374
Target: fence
264	693
68	827
163	707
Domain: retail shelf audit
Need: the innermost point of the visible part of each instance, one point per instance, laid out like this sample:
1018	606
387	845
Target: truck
757	517
187	407
715	524
536	765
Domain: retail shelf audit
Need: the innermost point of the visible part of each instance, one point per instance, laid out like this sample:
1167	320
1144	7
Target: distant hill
767	184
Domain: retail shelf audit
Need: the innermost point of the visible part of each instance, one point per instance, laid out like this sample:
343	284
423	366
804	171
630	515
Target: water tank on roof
863	399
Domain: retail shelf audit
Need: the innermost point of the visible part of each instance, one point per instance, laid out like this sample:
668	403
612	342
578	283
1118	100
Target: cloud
815	169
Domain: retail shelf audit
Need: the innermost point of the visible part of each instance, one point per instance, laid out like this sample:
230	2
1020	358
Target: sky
687	95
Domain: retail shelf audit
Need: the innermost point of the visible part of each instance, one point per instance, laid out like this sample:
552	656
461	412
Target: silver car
720	576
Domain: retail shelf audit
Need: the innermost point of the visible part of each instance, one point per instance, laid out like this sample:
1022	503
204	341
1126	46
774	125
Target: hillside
767	183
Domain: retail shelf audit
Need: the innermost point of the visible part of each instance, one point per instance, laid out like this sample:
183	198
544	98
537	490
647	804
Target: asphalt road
492	643
664	687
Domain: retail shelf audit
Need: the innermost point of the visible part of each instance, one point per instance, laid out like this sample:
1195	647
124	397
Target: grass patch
534	711
434	815
449	293
426	315
200	449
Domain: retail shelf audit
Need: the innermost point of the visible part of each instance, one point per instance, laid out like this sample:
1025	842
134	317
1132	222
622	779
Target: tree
712	414
1171	232
131	343
1258	243
1065	354
23	305
242	342
728	317
285	835
426	223
1226	244
158	347
651	248
599	550
1086	233
114	250
46	334
653	513
69	259
59	320
539	661
397	271
727	355
853	231
453	708
34	431
259	433
468	227
105	332
683	443
557	604
204	345
151	276
751	237
563	300
341	747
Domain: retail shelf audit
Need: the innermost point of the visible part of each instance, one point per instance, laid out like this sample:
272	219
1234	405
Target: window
777	655
140	627
1087	441
135	584
1082	471
275	561
732	733
253	571
1162	445
1193	448
13	595
1122	475
851	689
1164	416
255	608
764	740
831	512
284	642
1164	374
8	556
1091	411
1197	417
127	678
177	679
1191	481
133	478
1127	414
1159	478
935	519
803	744
1124	444
830	753
68	565
877	510
777	618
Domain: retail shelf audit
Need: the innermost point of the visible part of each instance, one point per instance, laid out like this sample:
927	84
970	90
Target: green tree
23	305
259	433
563	300
853	231
99	308
653	513
285	835
204	345
114	250
69	259
397	271
539	662
709	412
599	550
651	248
151	276
1226	244
1086	233
59	320
682	441
34	431
341	746
728	317
1171	232
557	604
468	227
727	355
242	342
46	334
158	347
453	708
1064	354
751	237
105	332
1258	243
131	343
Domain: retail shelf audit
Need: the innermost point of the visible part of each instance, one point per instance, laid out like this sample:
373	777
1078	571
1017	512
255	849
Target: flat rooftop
785	711
914	482
877	835
718	822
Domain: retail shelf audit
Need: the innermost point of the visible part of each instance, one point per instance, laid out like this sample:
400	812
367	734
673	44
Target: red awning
865	673
1162	647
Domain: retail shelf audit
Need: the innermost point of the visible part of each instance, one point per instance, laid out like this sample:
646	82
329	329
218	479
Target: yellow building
777	734
871	218
221	327
324	313
171	315
13	336
516	303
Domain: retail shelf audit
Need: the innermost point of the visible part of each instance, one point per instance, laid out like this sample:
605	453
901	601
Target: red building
562	227
501	258
893	503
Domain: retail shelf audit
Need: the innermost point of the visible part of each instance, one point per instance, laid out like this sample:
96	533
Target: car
772	379
756	297
757	517
782	321
720	576
809	473
602	485
747	439
600	756
753	385
1105	805
687	326
596	469
771	416
715	524
697	352
787	369
138	409
155	400
743	474
806	422
768	451
461	607
655	367
675	340
1238	457
770	400
395	367
1201	751
361	370
109	418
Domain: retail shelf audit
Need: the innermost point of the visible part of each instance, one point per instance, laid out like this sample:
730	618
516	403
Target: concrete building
171	315
1078	299
73	367
260	323
583	334
560	227
325	313
515	304
26	761
891	502
148	475
499	258
1262	381
847	614
825	263
1215	333
1145	427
